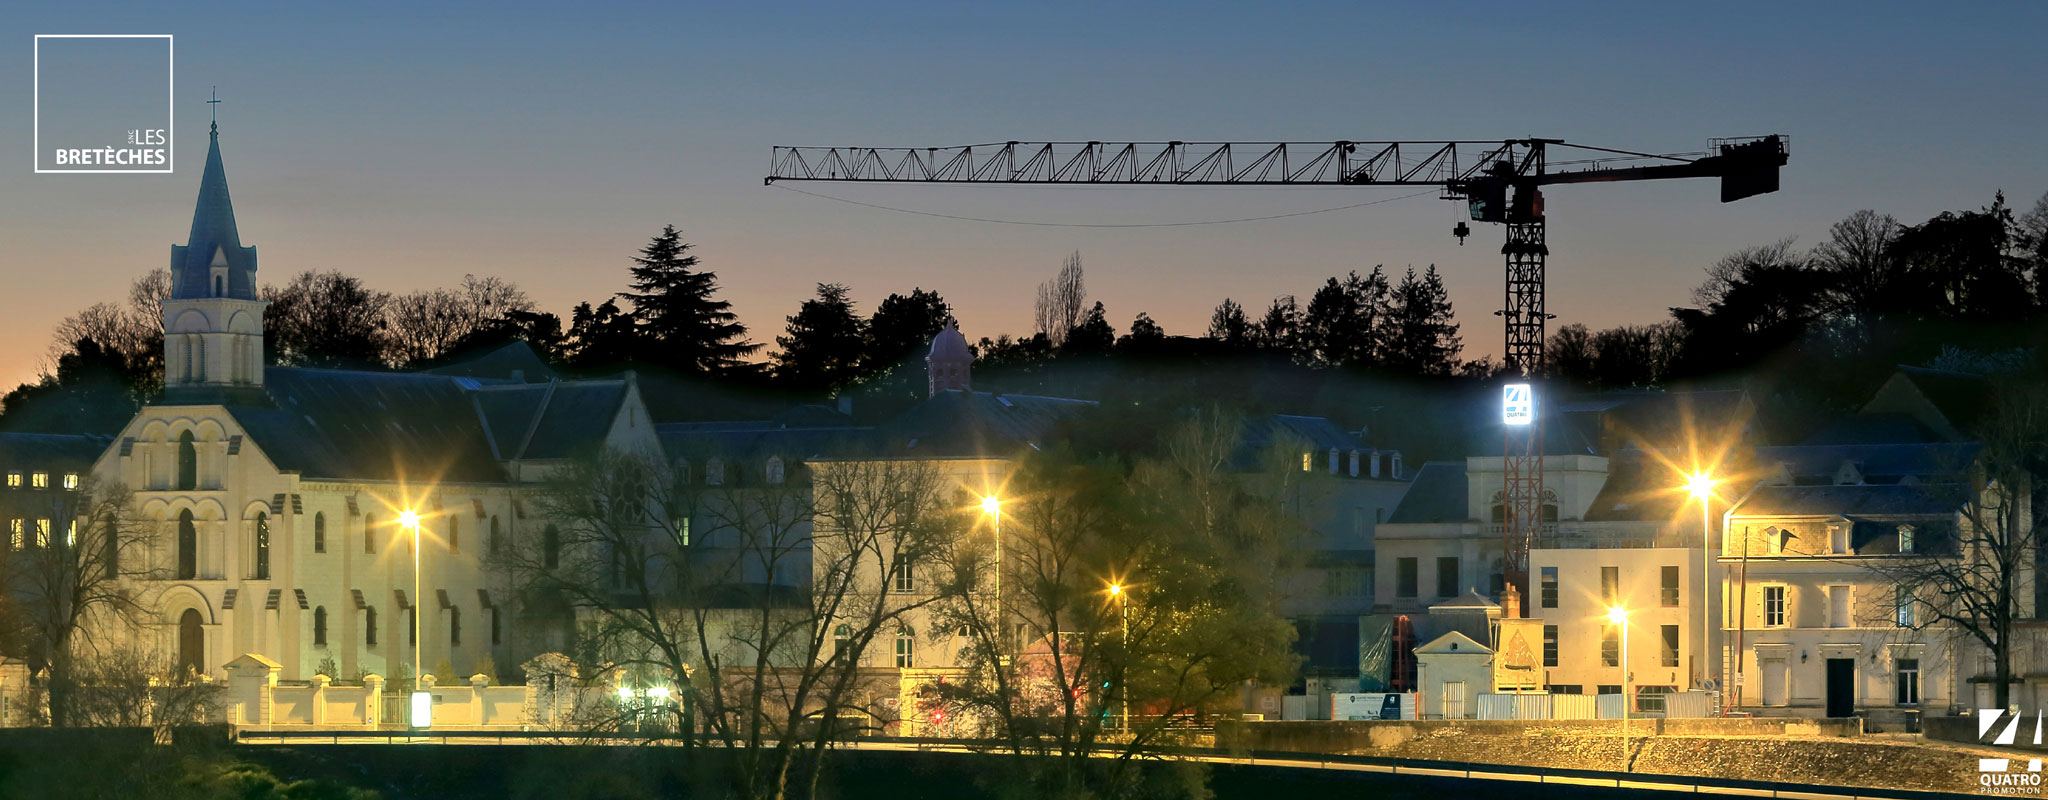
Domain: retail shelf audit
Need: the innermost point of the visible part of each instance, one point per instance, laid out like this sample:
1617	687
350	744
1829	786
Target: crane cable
1104	224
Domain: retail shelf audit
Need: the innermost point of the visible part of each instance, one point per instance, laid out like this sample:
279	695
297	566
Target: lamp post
1619	616
1123	612
1701	484
422	701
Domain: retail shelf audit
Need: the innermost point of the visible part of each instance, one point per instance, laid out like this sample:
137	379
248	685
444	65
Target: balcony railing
1601	536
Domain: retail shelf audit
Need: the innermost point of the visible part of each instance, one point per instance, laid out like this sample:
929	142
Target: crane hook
1461	231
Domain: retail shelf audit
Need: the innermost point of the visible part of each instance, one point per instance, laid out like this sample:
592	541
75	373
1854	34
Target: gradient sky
544	145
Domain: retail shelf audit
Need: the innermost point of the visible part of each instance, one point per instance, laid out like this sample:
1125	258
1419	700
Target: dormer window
1375	469
1397	465
683	471
1905	540
714	472
773	470
1307	462
40	480
13	480
1333	461
1354	463
70	480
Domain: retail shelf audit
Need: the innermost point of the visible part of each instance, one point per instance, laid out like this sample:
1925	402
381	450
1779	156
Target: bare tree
428	324
738	589
1061	301
1723	275
74	572
1978	579
1121	605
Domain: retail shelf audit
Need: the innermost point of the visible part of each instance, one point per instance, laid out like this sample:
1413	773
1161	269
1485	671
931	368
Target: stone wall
1320	736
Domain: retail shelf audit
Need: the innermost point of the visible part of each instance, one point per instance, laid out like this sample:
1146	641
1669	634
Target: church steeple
213	262
213	323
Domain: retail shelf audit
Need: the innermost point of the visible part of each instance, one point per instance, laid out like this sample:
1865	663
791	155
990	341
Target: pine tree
1280	330
824	344
1228	324
1346	321
1421	338
679	323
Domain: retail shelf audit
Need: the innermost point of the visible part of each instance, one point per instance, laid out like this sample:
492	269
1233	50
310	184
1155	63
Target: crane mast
1501	181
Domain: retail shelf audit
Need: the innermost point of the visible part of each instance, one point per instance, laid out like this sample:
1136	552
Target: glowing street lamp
422	701
1701	484
1619	616
1123	604
991	506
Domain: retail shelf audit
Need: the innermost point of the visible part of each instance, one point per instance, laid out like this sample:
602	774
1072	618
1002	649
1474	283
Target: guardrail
1408	767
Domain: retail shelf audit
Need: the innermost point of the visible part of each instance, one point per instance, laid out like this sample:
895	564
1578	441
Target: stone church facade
279	492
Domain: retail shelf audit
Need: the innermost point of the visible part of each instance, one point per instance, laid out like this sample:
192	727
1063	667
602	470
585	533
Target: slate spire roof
213	234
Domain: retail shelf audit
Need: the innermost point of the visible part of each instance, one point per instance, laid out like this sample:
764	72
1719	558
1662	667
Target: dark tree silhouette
325	319
601	336
1228	324
903	325
1093	336
824	345
1280	329
1343	323
1420	336
679	324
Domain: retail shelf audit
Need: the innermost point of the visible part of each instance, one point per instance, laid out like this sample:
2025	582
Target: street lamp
1619	616
1701	484
1123	606
422	701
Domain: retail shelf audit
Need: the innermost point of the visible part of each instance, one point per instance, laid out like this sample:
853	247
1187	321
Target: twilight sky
545	144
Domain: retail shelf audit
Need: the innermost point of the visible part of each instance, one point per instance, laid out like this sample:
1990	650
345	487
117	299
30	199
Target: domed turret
949	362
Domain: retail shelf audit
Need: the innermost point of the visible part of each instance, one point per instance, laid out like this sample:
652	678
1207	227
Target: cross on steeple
215	102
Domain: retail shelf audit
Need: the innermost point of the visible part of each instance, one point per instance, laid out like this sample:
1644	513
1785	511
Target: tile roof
344	424
1437	494
1939	500
54	452
1879	463
957	423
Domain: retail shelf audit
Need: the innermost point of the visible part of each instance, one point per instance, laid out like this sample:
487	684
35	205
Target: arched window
774	470
906	644
454	534
370	626
550	547
188	546
191	641
683	471
188	462
262	546
319	626
495	547
455	625
319	532
714	472
842	638
370	533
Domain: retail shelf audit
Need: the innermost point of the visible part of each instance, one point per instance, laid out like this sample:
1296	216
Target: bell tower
213	323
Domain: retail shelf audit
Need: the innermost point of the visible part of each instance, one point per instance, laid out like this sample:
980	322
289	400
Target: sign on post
1517	404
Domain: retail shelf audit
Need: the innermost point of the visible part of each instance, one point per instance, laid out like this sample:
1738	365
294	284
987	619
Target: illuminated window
1306	462
40	480
70	480
13	480
71	534
1905	539
42	533
14	533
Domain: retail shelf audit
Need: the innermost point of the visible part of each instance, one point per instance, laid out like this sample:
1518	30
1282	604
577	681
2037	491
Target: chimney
1510	602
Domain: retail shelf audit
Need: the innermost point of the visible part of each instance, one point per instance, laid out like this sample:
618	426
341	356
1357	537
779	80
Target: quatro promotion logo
1996	775
103	103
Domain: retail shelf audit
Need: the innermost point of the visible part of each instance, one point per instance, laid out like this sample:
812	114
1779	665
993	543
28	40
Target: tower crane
1500	181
